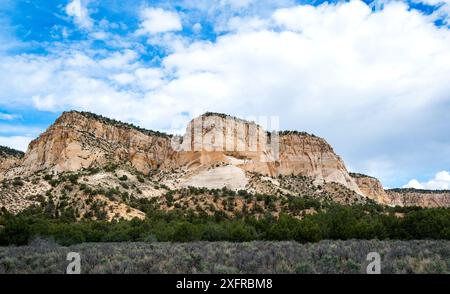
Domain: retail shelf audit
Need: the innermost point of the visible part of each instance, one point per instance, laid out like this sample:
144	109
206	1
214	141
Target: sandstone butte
216	151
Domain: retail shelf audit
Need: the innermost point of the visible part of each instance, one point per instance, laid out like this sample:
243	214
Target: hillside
9	158
6	152
422	198
90	167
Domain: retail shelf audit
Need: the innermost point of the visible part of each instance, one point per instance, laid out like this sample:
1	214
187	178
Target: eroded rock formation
80	140
421	198
216	151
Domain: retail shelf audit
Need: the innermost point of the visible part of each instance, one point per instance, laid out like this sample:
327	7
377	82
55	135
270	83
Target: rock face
216	138
307	155
9	158
421	198
372	188
228	176
216	151
80	140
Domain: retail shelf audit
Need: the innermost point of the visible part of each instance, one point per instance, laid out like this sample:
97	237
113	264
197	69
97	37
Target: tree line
337	222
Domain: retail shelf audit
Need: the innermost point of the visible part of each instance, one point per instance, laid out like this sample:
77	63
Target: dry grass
346	257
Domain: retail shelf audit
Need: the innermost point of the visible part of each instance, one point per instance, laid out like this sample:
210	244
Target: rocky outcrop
216	151
371	187
9	159
421	198
308	155
217	138
81	140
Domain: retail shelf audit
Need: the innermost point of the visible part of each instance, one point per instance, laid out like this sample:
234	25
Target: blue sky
372	77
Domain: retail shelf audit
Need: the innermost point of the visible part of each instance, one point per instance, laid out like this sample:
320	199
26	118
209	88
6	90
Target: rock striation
421	198
213	138
371	187
216	151
9	159
80	140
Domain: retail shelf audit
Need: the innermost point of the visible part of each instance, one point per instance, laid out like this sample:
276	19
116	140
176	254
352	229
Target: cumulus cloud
373	83
242	24
16	142
158	20
197	27
441	181
236	3
77	9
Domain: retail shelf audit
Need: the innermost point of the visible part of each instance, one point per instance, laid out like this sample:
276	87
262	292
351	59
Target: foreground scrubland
226	257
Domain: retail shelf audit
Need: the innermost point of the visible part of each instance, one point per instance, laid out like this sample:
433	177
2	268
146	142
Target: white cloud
148	78
443	8
246	24
16	142
8	129
80	13
441	181
157	20
237	4
374	84
197	28
7	116
7	35
414	184
119	60
330	18
378	167
123	78
99	35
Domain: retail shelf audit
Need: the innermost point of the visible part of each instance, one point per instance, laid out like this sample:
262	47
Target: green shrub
17	182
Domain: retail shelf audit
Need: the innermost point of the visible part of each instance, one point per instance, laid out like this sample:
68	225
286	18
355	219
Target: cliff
372	188
217	138
307	155
80	140
421	198
216	151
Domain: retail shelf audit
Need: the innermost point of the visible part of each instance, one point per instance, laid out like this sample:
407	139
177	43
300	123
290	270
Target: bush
17	182
73	178
185	232
336	222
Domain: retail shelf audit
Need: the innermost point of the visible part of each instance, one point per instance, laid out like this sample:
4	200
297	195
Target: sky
371	77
